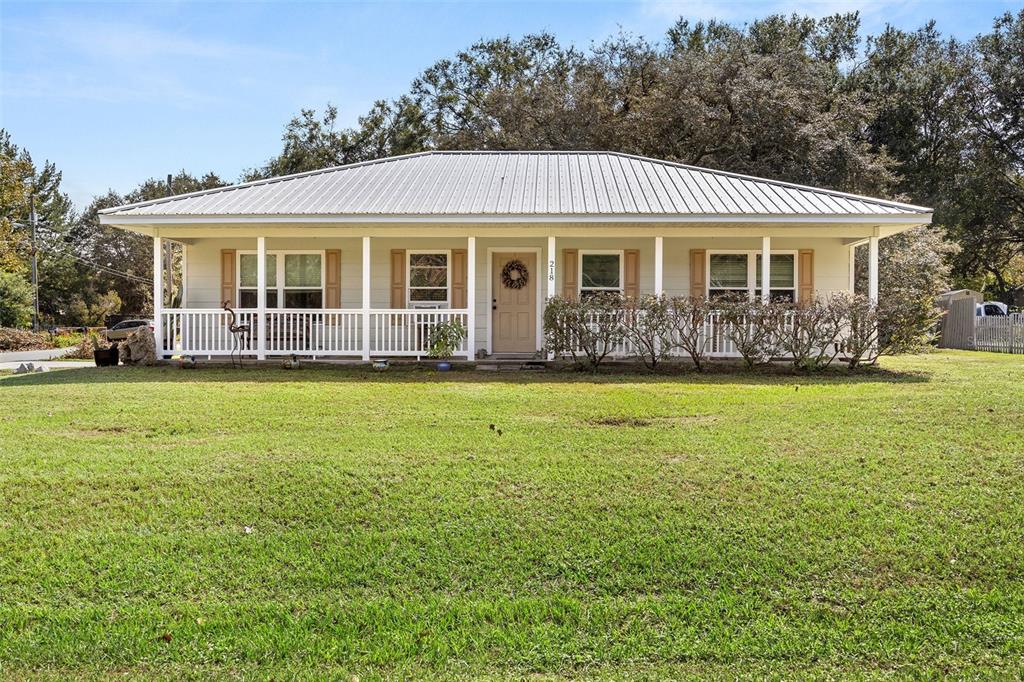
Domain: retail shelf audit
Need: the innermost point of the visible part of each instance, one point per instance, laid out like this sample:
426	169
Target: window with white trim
781	279
429	278
600	271
739	272
727	274
294	279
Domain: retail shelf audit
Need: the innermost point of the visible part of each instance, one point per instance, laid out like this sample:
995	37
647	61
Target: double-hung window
739	272
294	280
429	277
600	272
782	278
728	274
247	280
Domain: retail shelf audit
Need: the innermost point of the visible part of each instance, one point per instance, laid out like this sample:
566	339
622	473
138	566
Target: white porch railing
407	332
204	331
340	333
313	333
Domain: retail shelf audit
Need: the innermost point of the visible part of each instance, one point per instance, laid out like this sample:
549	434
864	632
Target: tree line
910	115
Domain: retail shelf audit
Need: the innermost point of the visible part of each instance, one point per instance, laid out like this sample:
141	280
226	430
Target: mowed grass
333	522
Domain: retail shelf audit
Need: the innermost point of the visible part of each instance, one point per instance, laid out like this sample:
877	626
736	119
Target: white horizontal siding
831	263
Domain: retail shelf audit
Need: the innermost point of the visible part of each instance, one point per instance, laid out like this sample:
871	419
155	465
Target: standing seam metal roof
516	183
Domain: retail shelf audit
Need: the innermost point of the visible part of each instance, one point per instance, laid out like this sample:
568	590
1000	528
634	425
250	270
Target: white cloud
108	39
67	85
69	57
743	10
121	40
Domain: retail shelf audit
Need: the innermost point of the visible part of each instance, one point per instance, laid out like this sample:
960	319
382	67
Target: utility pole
35	267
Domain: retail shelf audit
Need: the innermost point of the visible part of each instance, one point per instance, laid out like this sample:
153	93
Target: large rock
139	348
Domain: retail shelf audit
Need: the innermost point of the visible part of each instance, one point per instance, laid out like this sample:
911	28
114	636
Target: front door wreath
514	275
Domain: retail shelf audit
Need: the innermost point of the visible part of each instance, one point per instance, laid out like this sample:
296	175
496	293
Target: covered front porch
367	296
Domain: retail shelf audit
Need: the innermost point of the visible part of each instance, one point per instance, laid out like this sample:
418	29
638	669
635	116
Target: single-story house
361	260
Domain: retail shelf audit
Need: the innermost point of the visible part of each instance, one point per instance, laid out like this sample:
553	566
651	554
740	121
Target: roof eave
914	218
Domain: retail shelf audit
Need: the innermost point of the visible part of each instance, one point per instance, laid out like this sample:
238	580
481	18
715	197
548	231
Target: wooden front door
514	311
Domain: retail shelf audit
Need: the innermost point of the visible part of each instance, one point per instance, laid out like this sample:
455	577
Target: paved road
49	364
34	355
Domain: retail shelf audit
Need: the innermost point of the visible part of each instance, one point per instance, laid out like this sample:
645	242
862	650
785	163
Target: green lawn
326	522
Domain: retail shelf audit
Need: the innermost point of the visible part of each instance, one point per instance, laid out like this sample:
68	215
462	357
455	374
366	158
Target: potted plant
446	338
103	356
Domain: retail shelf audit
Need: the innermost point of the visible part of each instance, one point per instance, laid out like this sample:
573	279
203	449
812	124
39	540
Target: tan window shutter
332	278
227	277
459	274
806	269
570	272
698	273
631	273
397	278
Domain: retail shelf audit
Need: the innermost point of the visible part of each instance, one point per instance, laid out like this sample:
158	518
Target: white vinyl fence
1000	334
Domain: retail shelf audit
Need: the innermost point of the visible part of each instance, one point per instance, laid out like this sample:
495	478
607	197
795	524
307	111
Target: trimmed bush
586	330
689	318
754	327
647	325
810	334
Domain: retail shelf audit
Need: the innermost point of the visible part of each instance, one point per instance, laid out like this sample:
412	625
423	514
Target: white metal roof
516	184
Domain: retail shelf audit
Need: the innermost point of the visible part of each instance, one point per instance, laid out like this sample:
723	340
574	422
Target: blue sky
115	93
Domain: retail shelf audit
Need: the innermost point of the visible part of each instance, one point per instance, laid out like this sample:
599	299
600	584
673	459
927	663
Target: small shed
956	327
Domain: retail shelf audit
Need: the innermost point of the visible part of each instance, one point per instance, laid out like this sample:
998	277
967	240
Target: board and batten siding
831	263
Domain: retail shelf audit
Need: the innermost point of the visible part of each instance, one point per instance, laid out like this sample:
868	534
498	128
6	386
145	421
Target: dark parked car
121	330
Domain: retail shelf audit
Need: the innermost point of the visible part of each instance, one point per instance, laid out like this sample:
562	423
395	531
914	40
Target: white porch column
873	269
551	290
366	298
184	275
551	268
158	296
853	268
766	268
261	298
659	266
471	297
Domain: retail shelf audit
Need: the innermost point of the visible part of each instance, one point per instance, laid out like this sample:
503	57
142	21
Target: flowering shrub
812	335
689	318
647	325
586	330
754	327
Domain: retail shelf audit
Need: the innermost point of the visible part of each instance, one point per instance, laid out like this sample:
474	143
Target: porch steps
510	365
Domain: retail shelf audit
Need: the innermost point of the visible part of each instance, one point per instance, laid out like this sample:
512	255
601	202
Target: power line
102	268
108	270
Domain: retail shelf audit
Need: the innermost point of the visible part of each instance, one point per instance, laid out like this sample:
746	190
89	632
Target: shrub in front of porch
753	327
647	325
586	330
653	329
